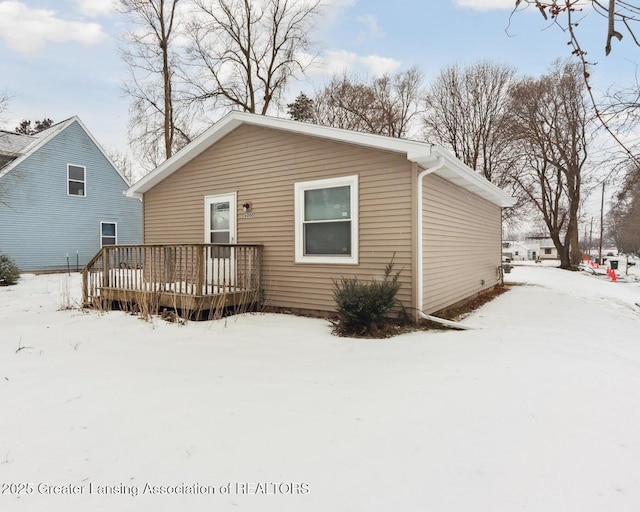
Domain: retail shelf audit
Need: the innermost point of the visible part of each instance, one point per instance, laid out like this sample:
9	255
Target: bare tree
5	100
157	128
122	163
466	111
245	52
624	215
346	102
619	16
614	13
398	100
549	120
386	105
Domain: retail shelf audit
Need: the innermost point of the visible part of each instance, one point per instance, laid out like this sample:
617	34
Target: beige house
325	203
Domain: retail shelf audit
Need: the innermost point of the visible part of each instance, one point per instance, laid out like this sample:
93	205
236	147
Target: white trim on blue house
84	180
115	224
45	136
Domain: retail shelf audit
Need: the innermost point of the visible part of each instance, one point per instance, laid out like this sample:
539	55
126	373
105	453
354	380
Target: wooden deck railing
195	270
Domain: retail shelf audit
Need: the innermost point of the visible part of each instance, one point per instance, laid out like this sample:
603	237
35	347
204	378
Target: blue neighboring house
61	197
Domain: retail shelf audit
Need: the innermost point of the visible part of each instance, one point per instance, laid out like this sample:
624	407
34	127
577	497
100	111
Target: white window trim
299	189
101	235
84	168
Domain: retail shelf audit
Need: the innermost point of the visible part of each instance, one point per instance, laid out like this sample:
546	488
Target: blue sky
60	58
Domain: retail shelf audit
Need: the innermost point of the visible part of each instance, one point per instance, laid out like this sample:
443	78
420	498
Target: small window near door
108	233
547	251
76	180
220	223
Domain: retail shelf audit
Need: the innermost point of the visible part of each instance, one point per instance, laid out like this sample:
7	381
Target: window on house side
108	233
326	221
547	251
76	180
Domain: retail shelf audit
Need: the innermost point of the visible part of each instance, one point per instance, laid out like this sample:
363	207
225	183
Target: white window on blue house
326	221
76	180
108	233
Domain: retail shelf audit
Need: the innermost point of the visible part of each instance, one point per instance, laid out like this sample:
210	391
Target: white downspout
442	321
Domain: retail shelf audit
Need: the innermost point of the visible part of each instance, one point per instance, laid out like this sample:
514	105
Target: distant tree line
528	135
26	128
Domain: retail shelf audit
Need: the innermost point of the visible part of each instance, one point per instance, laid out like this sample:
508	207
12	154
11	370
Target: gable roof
29	144
425	155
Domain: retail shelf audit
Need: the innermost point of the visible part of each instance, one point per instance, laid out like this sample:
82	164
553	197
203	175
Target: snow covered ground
538	409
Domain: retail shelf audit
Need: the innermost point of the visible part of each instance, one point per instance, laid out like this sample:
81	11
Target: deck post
257	271
105	267
200	270
85	287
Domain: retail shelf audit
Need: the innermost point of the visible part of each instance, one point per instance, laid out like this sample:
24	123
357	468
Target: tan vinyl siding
462	244
262	165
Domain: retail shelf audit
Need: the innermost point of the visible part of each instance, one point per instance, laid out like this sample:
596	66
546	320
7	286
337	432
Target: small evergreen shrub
363	307
9	272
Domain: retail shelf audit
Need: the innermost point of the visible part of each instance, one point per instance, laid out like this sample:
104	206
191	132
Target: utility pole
601	225
591	236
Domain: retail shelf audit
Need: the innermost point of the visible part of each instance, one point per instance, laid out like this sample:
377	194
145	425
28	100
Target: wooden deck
194	279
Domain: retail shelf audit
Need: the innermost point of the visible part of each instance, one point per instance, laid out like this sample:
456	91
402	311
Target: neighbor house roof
425	155
26	145
12	144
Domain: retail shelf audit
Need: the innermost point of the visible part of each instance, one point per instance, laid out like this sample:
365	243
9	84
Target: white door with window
220	219
220	228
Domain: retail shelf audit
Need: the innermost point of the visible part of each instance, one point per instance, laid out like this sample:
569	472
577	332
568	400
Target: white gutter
448	323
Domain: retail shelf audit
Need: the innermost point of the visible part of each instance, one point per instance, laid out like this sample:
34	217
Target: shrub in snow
9	272
363	307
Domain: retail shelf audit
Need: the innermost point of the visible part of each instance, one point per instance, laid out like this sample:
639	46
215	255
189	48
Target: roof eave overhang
423	154
209	137
463	176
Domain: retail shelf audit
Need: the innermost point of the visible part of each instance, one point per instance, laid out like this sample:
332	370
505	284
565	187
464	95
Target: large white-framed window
76	180
326	221
108	233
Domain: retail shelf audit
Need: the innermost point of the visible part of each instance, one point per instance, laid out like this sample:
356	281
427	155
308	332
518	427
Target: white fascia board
99	146
463	176
54	131
422	153
186	154
234	119
35	145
